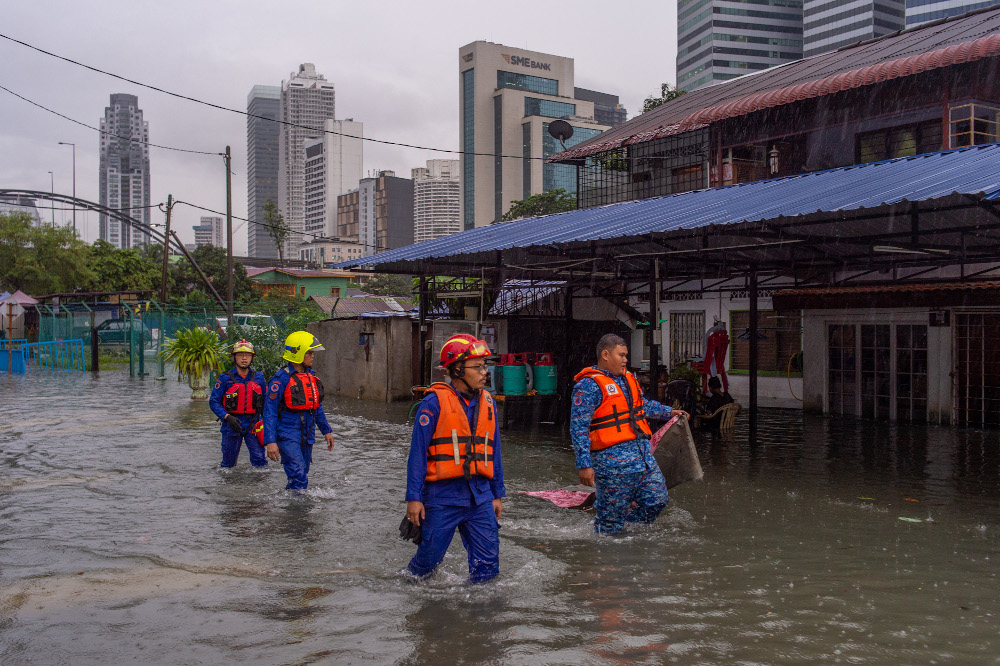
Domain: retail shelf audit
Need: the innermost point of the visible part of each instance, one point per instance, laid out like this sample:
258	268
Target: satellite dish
560	129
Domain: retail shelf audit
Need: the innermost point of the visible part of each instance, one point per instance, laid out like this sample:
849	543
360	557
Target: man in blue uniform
294	408
611	440
238	399
454	477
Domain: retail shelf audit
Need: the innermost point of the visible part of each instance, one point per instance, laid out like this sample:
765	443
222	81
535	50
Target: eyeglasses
480	368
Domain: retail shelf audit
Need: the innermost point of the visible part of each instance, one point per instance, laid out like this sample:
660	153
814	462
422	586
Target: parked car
254	322
113	331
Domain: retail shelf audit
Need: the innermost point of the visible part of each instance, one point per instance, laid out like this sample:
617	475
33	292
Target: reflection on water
830	540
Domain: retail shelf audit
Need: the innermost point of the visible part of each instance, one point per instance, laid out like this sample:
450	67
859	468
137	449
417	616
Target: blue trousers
480	535
295	457
628	498
231	444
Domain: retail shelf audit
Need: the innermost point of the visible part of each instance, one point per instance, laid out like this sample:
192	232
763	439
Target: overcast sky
394	65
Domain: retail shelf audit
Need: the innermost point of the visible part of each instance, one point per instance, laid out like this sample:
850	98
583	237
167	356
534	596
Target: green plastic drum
545	379
514	379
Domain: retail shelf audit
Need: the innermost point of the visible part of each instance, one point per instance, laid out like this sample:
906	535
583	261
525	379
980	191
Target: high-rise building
263	111
718	40
507	99
607	109
307	101
922	11
333	165
209	232
437	200
124	170
11	203
378	214
826	25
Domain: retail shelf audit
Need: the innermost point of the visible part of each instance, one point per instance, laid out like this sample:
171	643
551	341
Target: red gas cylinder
543	358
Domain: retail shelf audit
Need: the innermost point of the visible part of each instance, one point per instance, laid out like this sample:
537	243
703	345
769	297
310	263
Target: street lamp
67	143
52	201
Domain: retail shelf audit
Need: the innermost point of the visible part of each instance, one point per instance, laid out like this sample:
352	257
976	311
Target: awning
915	294
870	214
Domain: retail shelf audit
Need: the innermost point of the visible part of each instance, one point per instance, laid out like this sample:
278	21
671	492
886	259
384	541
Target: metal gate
977	365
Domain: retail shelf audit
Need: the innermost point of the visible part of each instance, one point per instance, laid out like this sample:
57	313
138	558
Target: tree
117	269
667	93
553	201
43	259
384	284
276	228
212	260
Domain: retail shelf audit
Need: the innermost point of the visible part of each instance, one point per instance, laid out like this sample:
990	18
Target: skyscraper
263	110
718	40
826	25
124	170
507	100
209	232
437	199
307	101
378	214
333	166
607	110
922	11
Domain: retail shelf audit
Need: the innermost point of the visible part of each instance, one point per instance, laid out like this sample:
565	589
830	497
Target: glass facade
527	82
468	149
526	162
497	158
555	176
533	106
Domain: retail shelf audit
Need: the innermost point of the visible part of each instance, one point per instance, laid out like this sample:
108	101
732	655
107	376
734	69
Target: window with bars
687	336
780	337
903	141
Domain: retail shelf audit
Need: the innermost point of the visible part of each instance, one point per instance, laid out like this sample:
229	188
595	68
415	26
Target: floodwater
121	540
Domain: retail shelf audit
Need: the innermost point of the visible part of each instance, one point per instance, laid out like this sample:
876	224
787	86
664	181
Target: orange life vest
454	452
304	391
243	397
615	420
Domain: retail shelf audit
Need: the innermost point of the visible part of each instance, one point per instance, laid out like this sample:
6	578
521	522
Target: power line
97	129
252	115
243	219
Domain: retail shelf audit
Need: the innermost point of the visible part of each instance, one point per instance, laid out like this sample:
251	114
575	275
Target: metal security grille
687	336
977	362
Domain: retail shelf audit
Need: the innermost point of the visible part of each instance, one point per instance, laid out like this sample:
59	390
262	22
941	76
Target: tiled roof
890	288
951	41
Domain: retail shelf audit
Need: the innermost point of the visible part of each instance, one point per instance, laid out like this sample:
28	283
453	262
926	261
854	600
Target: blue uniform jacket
450	492
285	423
222	385
623	458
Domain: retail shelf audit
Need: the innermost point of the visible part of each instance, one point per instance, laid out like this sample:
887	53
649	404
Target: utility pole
52	183
229	232
166	251
67	143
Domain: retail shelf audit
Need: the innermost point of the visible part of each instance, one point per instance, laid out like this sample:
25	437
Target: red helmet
461	347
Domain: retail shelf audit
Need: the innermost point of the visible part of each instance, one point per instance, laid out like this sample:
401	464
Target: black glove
234	423
410	532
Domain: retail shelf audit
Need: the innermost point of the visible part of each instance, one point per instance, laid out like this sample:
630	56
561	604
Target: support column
422	329
654	327
754	328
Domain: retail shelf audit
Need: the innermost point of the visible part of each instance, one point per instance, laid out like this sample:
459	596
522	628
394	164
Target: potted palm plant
195	352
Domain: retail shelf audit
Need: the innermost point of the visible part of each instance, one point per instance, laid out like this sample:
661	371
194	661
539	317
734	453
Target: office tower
263	111
507	99
333	165
437	200
124	170
607	110
209	232
378	214
15	203
307	101
826	25
922	11
719	40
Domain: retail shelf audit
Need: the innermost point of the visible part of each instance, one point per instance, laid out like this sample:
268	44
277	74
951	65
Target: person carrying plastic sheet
455	473
611	440
238	400
293	409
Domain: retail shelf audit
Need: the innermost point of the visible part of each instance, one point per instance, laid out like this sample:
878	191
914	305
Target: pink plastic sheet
567	499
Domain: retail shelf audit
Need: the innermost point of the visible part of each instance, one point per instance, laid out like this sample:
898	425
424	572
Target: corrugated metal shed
833	207
938	44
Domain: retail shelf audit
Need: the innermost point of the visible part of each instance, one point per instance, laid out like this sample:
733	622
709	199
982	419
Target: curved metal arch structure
121	217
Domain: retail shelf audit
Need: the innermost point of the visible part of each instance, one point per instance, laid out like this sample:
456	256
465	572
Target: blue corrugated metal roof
923	177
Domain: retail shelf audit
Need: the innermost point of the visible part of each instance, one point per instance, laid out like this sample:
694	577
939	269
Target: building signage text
526	62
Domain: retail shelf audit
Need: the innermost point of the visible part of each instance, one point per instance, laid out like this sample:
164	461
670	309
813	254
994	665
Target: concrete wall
384	373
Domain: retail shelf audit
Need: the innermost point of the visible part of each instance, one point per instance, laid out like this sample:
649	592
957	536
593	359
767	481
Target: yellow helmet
297	344
243	347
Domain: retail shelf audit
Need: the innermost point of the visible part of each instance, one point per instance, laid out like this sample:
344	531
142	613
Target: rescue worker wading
611	440
455	475
294	408
238	400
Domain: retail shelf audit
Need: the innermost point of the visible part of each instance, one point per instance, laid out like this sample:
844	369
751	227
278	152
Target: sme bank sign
526	62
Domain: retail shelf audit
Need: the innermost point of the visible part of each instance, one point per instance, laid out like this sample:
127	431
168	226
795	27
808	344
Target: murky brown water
121	540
